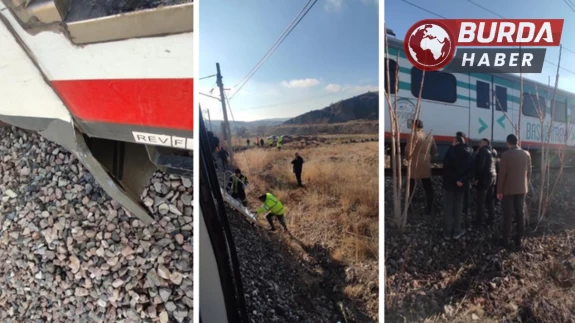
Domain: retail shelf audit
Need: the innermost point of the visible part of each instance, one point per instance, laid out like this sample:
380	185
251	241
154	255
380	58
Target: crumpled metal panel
238	206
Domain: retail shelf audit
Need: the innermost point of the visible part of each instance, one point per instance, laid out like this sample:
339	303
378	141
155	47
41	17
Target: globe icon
430	46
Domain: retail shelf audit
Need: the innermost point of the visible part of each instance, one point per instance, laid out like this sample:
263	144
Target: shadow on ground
286	285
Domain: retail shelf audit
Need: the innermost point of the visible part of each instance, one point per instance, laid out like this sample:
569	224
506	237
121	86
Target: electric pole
227	132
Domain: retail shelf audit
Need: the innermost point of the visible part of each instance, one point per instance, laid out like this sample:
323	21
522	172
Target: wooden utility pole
227	132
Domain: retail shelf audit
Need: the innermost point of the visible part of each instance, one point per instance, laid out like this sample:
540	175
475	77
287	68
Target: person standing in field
513	185
419	152
457	172
248	141
274	207
280	140
262	142
485	177
271	141
297	168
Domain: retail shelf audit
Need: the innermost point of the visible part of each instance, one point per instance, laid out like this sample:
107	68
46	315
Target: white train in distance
480	105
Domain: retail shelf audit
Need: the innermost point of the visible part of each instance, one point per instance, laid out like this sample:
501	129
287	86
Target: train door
481	116
501	125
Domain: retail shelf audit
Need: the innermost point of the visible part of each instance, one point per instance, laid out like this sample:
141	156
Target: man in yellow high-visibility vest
274	207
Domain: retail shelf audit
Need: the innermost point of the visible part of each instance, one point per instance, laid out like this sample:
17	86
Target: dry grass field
326	267
338	205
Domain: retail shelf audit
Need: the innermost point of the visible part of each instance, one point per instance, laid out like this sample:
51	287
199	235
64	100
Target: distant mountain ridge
362	107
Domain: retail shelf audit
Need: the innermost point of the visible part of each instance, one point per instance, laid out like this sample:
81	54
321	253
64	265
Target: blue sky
331	55
399	16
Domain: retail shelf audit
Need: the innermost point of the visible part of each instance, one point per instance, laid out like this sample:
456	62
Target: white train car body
480	105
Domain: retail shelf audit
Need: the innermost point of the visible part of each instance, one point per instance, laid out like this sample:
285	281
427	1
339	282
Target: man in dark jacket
237	186
457	172
467	188
485	177
223	154
297	168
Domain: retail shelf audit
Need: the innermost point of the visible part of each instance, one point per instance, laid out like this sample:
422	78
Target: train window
560	111
531	106
483	95
437	86
501	98
393	67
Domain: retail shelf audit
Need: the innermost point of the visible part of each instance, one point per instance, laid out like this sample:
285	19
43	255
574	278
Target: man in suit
512	186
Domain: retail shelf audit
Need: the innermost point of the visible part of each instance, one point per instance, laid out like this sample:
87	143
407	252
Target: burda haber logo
457	44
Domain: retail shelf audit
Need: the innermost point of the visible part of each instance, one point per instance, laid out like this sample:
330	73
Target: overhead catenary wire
276	42
570	4
423	9
207	77
494	13
309	5
502	17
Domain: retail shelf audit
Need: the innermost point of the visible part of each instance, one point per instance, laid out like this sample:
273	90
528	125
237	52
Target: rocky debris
474	279
68	253
281	287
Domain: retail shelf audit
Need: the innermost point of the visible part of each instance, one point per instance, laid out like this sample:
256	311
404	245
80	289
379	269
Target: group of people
260	142
271	204
505	178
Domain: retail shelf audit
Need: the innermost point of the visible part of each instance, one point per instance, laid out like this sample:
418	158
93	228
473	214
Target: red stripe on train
165	103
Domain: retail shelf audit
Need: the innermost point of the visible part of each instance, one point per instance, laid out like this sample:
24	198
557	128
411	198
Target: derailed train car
111	81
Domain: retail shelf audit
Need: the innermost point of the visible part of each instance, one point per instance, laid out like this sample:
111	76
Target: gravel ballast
69	253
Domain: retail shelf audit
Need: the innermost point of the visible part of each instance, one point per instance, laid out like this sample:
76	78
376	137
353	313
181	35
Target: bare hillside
361	107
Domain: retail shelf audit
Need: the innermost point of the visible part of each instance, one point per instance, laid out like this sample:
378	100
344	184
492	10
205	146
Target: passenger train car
480	105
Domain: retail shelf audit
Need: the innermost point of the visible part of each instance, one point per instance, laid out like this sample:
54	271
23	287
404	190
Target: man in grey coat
512	186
